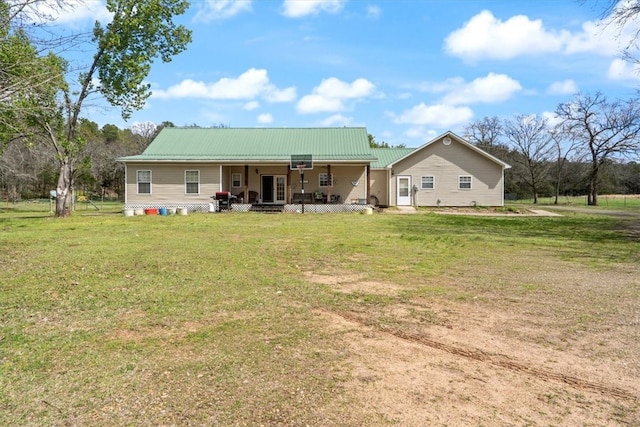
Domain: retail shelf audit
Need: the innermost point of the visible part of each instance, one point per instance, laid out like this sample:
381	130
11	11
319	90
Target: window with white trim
428	182
192	182
236	180
464	182
324	180
144	182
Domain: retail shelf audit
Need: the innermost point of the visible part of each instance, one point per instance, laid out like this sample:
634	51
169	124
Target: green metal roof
386	156
257	144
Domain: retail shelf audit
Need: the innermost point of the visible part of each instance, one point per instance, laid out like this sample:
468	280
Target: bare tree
604	130
485	132
564	144
623	14
529	135
147	130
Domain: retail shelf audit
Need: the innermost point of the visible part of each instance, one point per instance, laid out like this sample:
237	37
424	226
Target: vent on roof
446	141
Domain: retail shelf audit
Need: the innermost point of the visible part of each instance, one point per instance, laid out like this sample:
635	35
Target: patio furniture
319	197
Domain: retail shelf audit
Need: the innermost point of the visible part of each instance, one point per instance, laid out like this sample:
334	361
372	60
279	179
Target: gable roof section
386	156
461	141
257	144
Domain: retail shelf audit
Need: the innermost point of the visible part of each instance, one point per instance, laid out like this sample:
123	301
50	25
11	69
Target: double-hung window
324	180
236	180
192	182
464	182
428	182
144	182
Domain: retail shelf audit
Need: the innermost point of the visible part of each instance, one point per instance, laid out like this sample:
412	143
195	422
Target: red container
151	211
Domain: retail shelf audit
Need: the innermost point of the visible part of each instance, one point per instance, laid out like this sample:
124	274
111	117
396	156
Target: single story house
186	167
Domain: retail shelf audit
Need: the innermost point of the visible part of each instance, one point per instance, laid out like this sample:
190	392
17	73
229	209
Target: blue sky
407	70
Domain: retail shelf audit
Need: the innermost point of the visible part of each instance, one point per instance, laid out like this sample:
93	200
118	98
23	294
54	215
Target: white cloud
265	118
277	95
620	69
420	132
489	89
552	119
319	104
337	120
68	13
443	86
485	36
249	85
335	88
300	8
565	87
251	105
330	95
373	12
440	115
598	38
211	10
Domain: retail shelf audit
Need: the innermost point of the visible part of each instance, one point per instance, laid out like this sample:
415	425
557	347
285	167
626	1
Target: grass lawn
219	319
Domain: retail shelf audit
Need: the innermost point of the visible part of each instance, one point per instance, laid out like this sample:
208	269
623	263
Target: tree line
27	172
590	146
43	96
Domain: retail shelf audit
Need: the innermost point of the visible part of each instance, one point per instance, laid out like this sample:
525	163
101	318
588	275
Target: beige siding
446	163
380	186
168	183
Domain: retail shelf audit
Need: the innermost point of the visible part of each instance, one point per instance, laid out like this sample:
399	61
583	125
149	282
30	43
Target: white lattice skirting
246	207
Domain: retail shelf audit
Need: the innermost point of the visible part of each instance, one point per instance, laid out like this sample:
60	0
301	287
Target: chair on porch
253	197
319	197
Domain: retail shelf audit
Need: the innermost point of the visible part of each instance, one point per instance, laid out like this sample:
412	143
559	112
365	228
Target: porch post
289	193
368	172
330	182
245	198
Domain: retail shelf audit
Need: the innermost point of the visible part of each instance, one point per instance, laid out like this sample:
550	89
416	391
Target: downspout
220	178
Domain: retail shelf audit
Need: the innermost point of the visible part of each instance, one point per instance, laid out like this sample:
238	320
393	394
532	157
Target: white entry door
404	190
280	189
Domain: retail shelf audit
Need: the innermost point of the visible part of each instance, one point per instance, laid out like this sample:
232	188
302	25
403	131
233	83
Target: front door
404	190
273	188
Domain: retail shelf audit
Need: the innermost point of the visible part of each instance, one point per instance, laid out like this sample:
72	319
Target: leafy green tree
23	76
125	48
375	144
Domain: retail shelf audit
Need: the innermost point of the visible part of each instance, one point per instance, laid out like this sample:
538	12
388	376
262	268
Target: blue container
163	211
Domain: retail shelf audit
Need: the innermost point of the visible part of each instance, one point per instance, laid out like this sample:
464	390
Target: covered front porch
277	184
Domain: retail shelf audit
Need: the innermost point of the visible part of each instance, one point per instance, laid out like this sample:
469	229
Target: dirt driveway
558	345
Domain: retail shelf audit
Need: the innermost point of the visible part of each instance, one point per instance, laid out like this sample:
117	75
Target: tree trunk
592	198
64	189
